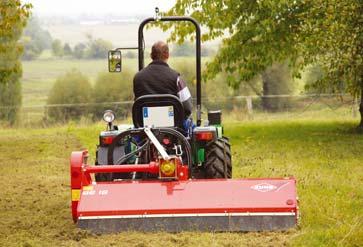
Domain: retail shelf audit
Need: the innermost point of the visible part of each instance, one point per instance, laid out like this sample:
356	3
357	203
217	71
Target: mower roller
164	173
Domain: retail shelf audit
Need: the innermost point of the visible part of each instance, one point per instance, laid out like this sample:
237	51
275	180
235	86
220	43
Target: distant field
39	75
119	34
324	156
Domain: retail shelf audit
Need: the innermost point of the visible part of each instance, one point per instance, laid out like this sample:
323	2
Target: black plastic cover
215	117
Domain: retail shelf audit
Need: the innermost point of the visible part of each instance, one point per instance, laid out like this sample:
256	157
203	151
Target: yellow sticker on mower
76	195
89	187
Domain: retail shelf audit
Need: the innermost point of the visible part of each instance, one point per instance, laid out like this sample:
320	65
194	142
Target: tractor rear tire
218	159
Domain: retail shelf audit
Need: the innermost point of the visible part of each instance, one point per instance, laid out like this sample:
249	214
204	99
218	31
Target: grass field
324	156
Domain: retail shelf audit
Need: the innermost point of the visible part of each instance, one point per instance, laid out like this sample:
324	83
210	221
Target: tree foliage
187	49
183	50
98	48
36	39
71	88
57	48
276	80
79	51
13	17
130	54
67	50
313	74
112	87
258	33
186	68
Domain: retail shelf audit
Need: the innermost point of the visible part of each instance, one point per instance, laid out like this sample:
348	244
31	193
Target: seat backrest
158	110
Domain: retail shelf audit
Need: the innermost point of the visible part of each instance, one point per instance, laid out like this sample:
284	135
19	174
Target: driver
159	78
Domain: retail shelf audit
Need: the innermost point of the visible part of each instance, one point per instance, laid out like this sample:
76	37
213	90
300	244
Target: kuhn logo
264	187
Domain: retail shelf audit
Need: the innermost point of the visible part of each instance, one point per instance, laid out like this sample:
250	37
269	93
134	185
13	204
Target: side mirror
114	61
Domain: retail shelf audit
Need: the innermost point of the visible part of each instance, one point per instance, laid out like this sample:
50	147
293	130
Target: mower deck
204	205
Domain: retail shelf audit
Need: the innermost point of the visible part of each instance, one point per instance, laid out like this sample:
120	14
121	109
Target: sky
99	7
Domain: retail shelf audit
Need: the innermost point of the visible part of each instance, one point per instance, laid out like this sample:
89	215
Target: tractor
165	172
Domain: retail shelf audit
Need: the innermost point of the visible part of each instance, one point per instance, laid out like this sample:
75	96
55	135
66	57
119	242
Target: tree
183	50
31	49
186	68
260	33
57	48
276	80
67	50
207	52
312	75
79	51
95	48
36	39
98	48
130	54
71	88
112	87
13	17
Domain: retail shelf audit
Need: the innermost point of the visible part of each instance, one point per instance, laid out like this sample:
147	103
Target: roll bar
197	53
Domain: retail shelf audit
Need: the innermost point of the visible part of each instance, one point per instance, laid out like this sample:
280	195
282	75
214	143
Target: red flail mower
165	173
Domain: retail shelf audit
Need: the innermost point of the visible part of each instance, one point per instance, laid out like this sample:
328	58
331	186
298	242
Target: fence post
249	106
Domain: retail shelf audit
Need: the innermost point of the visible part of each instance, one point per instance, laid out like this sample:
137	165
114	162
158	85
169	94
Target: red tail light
107	140
204	136
166	141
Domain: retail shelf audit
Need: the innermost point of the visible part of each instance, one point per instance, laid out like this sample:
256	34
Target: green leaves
71	88
258	33
13	17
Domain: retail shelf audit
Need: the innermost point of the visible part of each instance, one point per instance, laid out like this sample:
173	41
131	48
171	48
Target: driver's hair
160	51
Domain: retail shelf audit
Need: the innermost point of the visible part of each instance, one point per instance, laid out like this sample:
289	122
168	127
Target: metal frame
141	50
141	216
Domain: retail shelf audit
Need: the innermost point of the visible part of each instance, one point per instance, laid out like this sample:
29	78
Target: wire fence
239	108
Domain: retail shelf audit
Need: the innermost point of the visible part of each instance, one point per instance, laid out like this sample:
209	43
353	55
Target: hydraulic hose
184	142
129	155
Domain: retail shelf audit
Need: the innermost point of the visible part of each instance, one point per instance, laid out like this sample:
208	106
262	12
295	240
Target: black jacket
159	78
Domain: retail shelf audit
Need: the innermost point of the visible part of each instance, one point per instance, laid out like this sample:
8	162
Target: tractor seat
158	110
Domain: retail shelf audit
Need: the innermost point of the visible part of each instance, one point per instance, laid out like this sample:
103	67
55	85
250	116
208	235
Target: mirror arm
127	48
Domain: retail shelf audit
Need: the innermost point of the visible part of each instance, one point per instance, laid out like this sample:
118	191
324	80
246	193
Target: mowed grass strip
325	157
